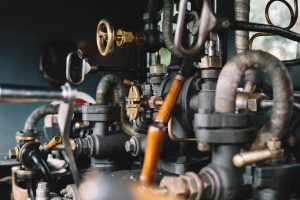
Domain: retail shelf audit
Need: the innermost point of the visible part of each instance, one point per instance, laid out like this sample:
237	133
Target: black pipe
292	62
246	26
30	189
43	167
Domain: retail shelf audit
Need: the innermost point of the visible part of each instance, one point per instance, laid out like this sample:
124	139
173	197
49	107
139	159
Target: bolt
203	147
130	146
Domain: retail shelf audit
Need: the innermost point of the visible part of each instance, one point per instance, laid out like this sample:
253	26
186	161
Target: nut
155	102
176	186
189	185
211	62
194	185
254	101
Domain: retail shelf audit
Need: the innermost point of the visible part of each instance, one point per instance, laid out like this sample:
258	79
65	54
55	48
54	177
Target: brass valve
273	152
107	38
133	103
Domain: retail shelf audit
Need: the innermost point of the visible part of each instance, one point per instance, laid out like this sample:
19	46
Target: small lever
78	68
74	65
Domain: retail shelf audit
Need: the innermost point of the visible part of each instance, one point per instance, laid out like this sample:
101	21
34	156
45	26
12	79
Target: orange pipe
165	110
156	132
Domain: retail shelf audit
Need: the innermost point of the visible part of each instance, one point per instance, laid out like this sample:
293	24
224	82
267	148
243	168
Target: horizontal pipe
256	27
25	94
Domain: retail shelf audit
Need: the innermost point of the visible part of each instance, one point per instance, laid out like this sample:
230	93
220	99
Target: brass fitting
133	103
211	62
106	37
274	153
79	125
188	186
14	153
124	38
155	102
51	144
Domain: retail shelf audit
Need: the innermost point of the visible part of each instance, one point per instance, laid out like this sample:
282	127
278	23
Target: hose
167	27
37	114
246	26
282	91
242	10
42	111
43	167
108	83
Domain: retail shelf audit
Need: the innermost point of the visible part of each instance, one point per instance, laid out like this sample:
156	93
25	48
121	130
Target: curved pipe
174	137
43	167
108	83
167	27
256	27
282	91
37	114
42	111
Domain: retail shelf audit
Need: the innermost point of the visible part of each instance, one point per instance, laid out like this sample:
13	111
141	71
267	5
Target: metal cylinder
21	94
245	158
242	10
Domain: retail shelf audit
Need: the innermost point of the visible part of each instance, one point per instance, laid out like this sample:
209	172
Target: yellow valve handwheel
105	37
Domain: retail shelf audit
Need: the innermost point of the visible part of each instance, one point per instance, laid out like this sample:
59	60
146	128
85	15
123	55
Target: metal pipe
108	83
156	131
176	139
242	10
167	27
23	94
42	111
282	90
256	27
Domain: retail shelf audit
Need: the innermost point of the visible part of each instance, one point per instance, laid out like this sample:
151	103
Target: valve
107	38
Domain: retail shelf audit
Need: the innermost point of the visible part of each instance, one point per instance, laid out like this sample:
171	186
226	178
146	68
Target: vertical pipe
157	130
242	10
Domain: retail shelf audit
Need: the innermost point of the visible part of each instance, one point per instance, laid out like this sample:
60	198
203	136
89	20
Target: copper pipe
156	132
165	110
54	141
174	138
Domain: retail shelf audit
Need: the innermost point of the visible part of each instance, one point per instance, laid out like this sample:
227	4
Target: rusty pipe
242	10
157	130
282	89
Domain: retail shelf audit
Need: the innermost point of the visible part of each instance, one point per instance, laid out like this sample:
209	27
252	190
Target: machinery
206	126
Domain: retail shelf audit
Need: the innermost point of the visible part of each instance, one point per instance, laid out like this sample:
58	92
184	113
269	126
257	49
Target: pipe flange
221	120
27	135
100	113
225	136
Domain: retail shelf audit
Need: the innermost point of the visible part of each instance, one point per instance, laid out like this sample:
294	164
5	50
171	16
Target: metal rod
25	94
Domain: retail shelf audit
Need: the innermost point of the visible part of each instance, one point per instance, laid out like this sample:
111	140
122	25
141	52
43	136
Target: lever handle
81	66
